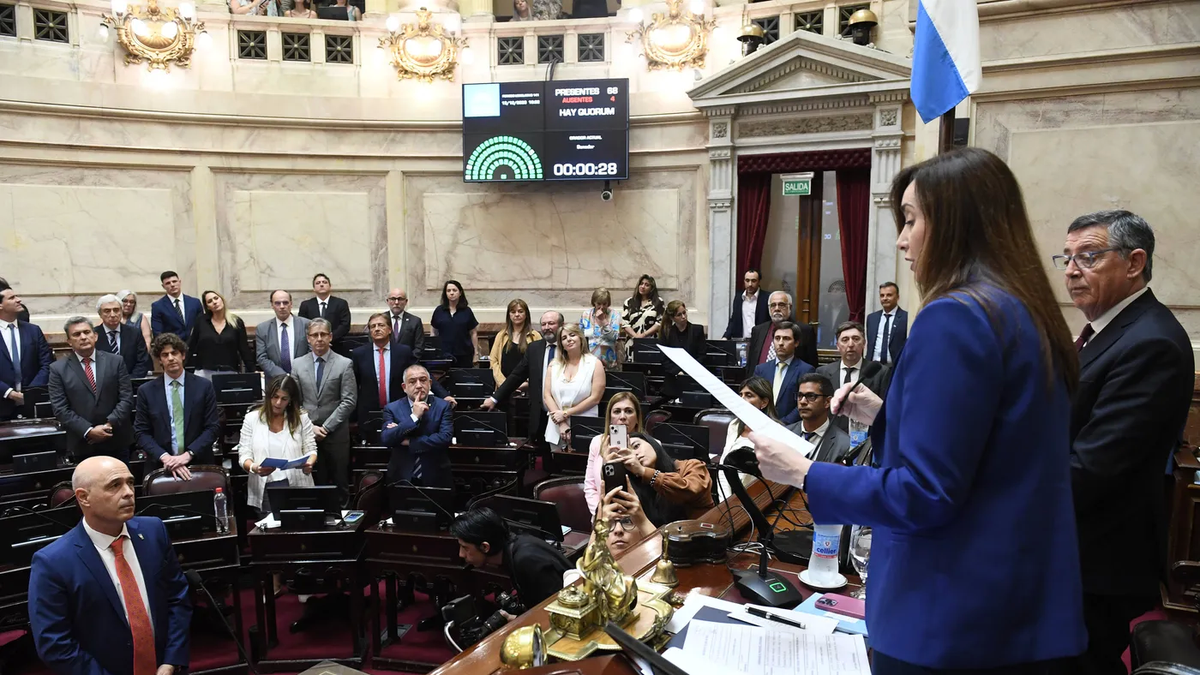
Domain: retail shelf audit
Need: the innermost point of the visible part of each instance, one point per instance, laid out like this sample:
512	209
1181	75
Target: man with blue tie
109	596
25	356
176	421
418	428
280	340
174	312
120	338
887	328
784	371
379	372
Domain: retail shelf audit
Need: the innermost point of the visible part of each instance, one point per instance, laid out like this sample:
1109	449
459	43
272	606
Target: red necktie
1084	335
382	381
87	370
769	343
144	659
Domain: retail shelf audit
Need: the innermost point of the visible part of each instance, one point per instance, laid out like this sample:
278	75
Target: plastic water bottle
823	565
221	510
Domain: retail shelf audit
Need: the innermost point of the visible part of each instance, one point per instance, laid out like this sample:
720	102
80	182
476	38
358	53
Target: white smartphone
618	436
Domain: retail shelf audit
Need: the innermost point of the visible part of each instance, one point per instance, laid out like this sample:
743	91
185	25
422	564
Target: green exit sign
797	185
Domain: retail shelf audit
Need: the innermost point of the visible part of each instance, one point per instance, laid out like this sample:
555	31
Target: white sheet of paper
692	604
816	625
751	416
733	647
268	522
693	665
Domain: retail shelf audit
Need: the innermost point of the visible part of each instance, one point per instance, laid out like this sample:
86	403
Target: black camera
463	618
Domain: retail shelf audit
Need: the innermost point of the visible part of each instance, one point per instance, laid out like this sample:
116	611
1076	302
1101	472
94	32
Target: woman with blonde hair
131	316
623	409
574	384
509	346
219	341
601	325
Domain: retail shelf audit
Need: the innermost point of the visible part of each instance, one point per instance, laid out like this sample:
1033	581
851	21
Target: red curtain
854	204
793	162
753	210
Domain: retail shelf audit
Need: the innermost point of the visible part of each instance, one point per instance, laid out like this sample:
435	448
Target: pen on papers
762	614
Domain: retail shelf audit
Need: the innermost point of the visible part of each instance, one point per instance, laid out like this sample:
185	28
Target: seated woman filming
623	409
668	489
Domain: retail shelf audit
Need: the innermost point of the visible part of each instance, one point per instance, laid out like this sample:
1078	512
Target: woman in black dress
679	332
455	323
219	341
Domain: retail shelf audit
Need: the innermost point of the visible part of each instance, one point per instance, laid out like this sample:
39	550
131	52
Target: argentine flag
946	67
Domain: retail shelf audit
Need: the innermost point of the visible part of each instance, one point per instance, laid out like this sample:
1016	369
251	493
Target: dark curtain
753	210
854	204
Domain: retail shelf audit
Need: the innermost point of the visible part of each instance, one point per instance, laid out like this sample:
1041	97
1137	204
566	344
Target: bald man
109	596
407	328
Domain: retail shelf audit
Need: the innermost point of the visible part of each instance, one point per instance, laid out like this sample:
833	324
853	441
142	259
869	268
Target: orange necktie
144	659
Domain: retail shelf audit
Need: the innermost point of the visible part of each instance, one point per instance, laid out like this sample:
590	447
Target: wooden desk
638	561
330	553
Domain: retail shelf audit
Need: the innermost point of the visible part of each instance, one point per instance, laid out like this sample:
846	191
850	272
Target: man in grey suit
328	392
815	426
91	396
851	366
281	340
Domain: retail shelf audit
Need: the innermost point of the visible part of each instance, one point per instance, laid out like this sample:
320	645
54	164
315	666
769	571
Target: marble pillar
722	223
887	139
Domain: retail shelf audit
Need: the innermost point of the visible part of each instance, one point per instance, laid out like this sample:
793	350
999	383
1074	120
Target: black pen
763	614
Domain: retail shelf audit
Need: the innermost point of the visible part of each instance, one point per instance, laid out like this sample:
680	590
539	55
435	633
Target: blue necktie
320	371
16	353
551	352
285	350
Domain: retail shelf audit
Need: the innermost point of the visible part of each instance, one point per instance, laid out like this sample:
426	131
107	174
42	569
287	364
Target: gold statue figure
603	580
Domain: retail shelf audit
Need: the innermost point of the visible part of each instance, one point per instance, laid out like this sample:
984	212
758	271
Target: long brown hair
762	389
526	335
637	411
977	235
292	413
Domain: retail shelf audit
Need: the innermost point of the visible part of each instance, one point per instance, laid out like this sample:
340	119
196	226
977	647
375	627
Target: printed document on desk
737	648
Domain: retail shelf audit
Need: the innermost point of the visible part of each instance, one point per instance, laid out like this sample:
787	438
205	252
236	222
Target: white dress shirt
103	544
175	442
749	311
291	326
855	372
385	376
877	355
818	435
8	336
1106	318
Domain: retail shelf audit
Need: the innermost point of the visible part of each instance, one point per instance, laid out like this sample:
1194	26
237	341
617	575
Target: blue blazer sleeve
953	396
50	619
143	421
179	607
405	425
45	357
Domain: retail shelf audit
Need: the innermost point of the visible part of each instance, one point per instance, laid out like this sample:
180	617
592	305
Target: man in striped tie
91	396
109	596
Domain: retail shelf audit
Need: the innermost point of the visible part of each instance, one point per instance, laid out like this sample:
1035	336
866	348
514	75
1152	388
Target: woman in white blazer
279	429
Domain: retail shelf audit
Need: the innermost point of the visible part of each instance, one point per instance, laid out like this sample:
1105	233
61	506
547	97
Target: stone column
722	223
885	164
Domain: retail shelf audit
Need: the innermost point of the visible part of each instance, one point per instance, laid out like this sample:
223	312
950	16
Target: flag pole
946	133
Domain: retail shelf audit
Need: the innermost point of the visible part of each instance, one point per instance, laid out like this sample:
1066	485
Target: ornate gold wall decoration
677	39
424	50
157	36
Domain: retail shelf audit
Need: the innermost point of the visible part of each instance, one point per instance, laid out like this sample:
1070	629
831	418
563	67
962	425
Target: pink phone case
843	604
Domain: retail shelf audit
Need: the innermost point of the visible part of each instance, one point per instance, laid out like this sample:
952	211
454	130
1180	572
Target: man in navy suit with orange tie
418	428
784	371
30	367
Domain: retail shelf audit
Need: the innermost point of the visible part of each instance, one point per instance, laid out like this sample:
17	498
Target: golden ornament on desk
524	648
664	570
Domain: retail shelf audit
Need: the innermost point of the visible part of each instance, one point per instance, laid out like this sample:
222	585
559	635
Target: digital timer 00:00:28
586	169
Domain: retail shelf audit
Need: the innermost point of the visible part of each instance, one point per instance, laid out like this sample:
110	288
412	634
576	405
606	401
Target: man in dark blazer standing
418	428
406	327
851	366
328	393
23	315
91	396
887	328
174	312
530	372
373	398
1127	416
176	422
814	393
749	304
117	337
762	338
784	371
329	307
31	367
109	596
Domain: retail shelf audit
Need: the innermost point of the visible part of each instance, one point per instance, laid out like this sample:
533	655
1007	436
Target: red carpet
327	639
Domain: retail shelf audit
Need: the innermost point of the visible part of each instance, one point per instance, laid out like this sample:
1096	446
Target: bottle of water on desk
823	565
221	510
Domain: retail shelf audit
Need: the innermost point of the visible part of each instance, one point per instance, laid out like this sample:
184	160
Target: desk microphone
194	579
761	587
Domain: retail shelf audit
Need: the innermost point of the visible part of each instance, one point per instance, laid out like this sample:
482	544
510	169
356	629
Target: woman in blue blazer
975	563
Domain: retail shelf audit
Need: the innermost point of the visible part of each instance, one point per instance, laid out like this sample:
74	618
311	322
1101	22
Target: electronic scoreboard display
536	131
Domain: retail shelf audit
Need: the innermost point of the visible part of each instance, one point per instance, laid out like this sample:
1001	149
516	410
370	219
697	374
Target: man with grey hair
1127	416
328	392
530	374
279	340
762	338
418	428
91	396
120	338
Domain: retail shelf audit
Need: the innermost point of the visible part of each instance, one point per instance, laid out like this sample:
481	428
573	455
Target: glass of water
860	554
